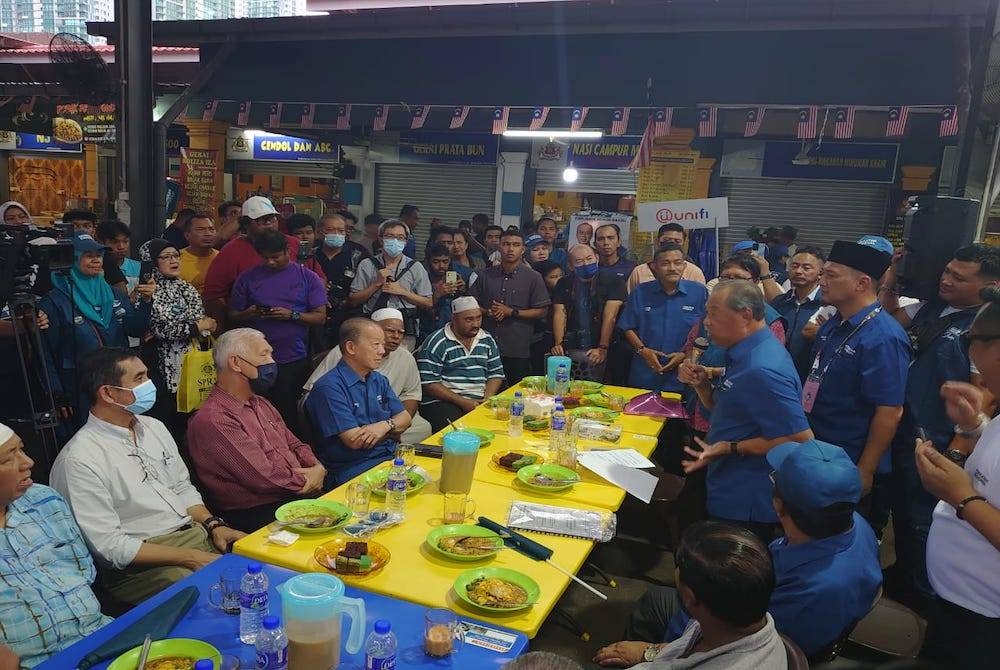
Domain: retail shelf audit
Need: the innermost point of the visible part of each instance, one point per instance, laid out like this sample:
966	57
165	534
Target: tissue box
539	405
595	430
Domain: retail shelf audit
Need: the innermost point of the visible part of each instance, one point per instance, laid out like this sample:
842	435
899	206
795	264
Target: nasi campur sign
692	214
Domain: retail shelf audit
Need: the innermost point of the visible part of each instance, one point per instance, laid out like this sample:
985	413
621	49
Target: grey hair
542	660
741	294
393	223
234	343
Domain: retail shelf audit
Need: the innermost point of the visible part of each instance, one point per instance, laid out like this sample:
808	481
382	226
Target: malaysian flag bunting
381	114
419	116
243	116
949	121
274	115
662	119
843	123
500	117
645	151
538	116
458	116
619	120
755	117
807	122
577	118
708	121
344	117
308	114
896	125
207	113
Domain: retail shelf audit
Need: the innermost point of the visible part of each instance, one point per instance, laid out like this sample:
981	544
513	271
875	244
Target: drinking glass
405	451
457	507
226	593
442	632
359	497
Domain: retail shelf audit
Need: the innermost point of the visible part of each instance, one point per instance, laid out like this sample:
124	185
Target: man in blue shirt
353	408
799	303
854	392
548	231
657	318
753	409
610	252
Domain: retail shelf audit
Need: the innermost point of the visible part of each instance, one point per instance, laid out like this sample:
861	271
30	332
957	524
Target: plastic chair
890	628
796	658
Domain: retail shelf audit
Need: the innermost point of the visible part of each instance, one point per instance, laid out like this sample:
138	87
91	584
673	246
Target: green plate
416	479
442	532
595	413
195	649
506	574
585	387
298	508
485	436
549	470
538	383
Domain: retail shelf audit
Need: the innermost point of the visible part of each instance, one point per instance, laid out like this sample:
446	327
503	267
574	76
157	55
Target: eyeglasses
168	257
401	238
968	337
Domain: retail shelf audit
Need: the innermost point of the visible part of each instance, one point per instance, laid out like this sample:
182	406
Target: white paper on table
635	482
630	458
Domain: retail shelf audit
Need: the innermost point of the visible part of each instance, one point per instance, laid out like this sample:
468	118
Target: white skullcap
5	433
463	304
387	313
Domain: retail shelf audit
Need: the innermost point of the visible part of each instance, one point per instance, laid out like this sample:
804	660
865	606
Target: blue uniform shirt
662	322
759	396
796	317
342	400
870	372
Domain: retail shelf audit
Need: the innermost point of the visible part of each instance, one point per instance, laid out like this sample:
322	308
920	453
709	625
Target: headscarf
150	252
92	296
13	203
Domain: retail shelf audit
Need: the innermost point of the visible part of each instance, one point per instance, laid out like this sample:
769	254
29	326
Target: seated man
724	578
46	569
248	462
459	365
128	487
399	367
353	409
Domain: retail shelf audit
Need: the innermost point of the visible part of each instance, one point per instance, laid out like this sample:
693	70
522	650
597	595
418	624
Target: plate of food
352	557
176	654
312	516
582	387
464	542
594	413
416	479
515	459
548	477
485	436
497	589
66	131
535	383
536	424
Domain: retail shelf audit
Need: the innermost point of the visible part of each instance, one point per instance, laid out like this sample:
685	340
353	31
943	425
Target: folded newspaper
598	526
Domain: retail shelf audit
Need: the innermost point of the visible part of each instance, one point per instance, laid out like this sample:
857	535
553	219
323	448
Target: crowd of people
821	403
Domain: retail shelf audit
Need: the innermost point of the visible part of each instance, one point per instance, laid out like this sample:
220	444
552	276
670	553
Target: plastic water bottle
395	489
253	602
272	645
562	381
557	429
204	664
515	424
380	647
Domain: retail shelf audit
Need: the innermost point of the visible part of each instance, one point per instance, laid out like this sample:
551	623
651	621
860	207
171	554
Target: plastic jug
552	364
458	461
311	606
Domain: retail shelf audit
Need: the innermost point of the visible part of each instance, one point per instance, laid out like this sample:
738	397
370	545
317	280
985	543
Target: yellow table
417	575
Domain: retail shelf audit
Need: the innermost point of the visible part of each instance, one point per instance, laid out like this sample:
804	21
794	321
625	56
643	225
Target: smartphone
263	309
146	272
451	277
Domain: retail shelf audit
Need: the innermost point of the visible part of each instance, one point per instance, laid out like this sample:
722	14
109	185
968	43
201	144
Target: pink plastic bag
655	405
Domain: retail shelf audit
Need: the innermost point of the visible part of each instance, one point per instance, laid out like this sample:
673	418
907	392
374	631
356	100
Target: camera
28	251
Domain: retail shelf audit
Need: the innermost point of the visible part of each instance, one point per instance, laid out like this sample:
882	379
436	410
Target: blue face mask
393	247
334	240
145	397
267	373
587	271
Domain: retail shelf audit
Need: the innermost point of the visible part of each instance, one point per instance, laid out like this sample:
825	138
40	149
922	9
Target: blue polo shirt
870	372
341	400
796	317
662	322
759	396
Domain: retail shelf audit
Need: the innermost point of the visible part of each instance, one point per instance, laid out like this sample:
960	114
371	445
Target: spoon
144	654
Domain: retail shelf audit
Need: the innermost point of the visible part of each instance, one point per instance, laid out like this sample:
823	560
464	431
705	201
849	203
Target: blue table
205	622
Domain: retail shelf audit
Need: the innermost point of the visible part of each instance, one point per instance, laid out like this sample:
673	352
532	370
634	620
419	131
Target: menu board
670	175
198	168
80	122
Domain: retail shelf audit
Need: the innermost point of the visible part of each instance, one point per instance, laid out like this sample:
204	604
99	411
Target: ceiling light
570	174
552	134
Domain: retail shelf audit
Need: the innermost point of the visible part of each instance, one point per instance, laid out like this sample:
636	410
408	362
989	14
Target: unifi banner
701	213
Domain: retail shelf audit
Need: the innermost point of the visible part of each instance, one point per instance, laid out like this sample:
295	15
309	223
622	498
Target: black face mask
267	373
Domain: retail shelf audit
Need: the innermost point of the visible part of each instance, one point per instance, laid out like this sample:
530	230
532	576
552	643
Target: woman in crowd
542	340
460	251
13	213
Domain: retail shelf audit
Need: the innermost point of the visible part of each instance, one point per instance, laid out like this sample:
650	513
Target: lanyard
840	348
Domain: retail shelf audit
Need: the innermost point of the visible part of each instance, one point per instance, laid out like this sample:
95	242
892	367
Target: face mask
266	374
586	271
334	240
393	247
145	397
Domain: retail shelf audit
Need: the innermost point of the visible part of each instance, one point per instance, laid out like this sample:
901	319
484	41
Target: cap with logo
877	242
84	243
532	241
813	475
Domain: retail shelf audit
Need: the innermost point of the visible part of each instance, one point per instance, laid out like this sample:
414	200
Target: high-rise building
258	9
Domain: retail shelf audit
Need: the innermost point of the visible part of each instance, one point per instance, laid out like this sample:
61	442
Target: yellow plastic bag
197	377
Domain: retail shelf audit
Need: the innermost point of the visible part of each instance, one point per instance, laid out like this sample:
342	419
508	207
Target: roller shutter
589	181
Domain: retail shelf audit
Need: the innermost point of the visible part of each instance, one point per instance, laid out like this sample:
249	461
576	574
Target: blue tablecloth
205	622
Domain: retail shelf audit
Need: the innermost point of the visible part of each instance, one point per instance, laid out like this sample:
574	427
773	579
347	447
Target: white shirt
964	568
123	492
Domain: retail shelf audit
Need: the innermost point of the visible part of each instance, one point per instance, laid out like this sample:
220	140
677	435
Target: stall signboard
11	141
85	122
829	161
261	146
476	148
692	214
608	153
198	170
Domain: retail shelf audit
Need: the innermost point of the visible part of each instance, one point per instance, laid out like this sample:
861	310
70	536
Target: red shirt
237	256
244	454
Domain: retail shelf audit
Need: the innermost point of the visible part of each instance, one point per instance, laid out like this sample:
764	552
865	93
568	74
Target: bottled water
395	489
515	425
253	602
272	645
380	647
204	664
562	381
557	429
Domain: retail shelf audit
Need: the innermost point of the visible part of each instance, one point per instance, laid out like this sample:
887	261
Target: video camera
26	251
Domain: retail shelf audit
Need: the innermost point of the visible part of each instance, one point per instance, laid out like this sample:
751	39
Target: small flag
708	121
949	121
755	117
344	117
896	125
381	114
274	115
207	113
458	116
662	119
619	120
807	122
243	116
577	118
538	116
843	123
419	116
500	117
308	114
645	151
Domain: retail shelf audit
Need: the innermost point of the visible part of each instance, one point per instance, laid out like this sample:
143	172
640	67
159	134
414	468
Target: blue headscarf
91	296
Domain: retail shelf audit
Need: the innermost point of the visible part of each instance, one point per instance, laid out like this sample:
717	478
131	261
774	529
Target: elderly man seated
45	568
128	487
459	365
353	409
248	462
398	366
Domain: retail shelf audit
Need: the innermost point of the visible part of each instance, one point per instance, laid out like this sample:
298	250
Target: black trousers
960	639
285	393
655	609
438	413
253	518
515	369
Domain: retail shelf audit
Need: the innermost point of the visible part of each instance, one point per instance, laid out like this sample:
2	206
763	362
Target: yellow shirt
194	268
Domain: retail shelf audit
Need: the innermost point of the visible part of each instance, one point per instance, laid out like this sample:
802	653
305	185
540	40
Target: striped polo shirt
445	360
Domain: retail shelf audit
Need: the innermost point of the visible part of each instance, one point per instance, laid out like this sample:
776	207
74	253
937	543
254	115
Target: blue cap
814	474
877	242
254	568
382	627
534	240
270	622
744	245
84	243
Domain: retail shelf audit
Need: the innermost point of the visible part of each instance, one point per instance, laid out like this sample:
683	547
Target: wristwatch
213	522
956	456
734	448
392	424
650	652
514	312
296	316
